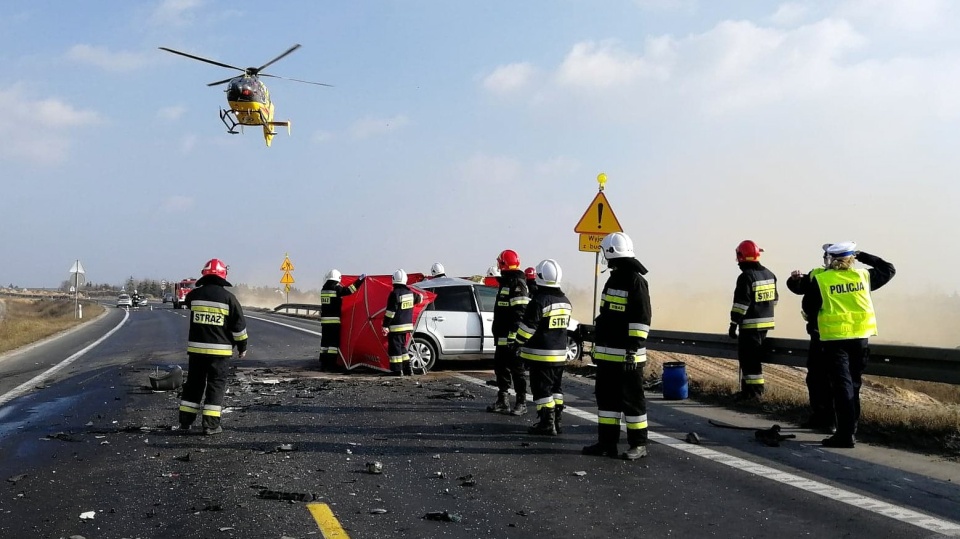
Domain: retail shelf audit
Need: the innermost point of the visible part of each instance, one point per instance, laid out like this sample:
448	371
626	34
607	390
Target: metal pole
76	292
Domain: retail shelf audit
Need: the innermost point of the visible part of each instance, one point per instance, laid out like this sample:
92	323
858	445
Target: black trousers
751	353
546	381
206	383
846	360
329	345
818	384
508	367
620	393
397	343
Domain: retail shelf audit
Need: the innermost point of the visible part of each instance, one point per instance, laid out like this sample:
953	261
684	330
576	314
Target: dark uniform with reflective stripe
217	326
542	334
398	319
621	329
331	301
754	300
512	300
822	416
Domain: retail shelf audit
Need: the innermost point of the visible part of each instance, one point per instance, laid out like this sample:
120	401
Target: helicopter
248	97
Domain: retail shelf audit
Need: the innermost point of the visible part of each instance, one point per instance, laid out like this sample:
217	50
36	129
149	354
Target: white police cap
842	249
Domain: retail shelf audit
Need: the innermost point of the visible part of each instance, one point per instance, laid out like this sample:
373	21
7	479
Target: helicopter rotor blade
288	51
295	80
219	82
202	59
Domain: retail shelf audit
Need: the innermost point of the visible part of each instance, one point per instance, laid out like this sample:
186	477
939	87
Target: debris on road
443	516
16	478
62	436
88	515
580	473
453	394
286	496
375	467
693	438
286	447
378	511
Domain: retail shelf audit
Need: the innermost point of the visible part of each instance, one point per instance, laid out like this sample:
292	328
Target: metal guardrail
895	361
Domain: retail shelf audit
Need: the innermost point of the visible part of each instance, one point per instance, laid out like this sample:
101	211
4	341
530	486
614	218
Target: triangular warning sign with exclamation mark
599	218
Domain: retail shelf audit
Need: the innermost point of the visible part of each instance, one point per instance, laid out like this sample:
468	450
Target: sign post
287	278
76	271
598	221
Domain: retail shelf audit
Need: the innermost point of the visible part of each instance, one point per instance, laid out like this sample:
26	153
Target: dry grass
919	416
26	321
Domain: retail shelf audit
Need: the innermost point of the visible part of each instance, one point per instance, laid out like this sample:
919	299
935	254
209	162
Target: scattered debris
771	437
212	507
88	515
77	537
453	394
286	496
183	458
62	436
16	478
226	528
693	438
525	513
378	511
286	447
437	456
443	516
167	380
580	473
375	467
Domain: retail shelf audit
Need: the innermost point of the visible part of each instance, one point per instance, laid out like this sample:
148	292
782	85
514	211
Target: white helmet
436	269
399	277
493	271
549	273
332	275
617	245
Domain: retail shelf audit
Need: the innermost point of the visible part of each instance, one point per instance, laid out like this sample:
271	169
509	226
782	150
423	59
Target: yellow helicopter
248	97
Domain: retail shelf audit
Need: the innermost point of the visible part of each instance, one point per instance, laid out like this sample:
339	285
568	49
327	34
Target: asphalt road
293	460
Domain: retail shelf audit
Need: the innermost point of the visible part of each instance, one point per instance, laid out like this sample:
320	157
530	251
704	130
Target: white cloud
790	14
370	127
688	6
177	204
607	64
175	12
487	171
40	131
911	16
509	78
321	137
171	113
106	59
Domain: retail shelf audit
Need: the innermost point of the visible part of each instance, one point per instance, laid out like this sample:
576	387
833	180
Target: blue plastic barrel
675	380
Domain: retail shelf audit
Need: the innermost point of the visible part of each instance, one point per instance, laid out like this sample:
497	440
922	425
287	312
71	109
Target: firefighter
436	270
823	417
754	299
398	323
217	326
331	301
620	351
512	299
531	276
542	335
840	302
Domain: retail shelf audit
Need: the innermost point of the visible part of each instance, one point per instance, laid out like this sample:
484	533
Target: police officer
754	299
839	300
398	323
823	417
620	351
542	334
436	270
331	302
512	300
217	326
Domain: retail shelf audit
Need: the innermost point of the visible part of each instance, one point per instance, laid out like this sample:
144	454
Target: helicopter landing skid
229	119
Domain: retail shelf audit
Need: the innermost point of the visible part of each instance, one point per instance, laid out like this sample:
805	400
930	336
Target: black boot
501	406
558	415
634	453
520	407
545	426
607	438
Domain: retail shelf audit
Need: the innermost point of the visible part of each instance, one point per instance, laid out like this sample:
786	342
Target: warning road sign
287	265
590	243
287	278
598	219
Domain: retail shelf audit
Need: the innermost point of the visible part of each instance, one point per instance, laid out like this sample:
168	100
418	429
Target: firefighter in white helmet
217	326
331	302
542	334
398	323
620	351
436	270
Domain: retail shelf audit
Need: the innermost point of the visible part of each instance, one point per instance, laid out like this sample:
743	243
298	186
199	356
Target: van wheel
574	349
423	355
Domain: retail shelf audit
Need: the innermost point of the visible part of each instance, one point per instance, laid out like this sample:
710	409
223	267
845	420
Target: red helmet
531	273
508	260
215	267
748	251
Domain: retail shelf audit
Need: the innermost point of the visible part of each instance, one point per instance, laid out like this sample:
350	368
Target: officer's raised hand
732	332
630	361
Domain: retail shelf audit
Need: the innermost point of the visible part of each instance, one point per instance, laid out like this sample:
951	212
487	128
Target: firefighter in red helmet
217	326
512	299
754	299
531	275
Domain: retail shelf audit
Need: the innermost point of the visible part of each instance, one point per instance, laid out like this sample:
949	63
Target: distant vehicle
142	301
168	297
180	291
124	300
458	324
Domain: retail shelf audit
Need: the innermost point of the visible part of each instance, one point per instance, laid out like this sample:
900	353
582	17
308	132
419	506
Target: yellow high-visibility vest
847	311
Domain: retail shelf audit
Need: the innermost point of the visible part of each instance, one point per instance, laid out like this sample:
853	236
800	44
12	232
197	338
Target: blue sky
457	129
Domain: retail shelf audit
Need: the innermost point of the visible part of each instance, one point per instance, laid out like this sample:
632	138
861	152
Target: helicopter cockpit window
244	89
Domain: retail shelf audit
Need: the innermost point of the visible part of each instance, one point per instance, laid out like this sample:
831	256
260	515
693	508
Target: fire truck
180	291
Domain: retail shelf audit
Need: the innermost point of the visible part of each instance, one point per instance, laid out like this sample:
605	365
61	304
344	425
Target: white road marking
317	333
859	501
31	384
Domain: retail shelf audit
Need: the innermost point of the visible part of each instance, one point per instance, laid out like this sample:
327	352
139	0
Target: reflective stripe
753	379
524	331
400	328
617	354
757	323
389	314
503	341
328	294
546	402
606	417
638	330
739	308
210	306
555	309
212	410
209	346
519	300
240	335
512	335
398	359
614	299
329	319
558	398
635	422
189	407
352	288
550	356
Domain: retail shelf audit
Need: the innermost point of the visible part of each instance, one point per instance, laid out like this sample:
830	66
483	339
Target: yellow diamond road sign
287	278
598	219
287	265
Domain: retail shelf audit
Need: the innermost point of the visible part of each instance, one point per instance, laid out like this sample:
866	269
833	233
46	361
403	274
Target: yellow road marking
328	524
